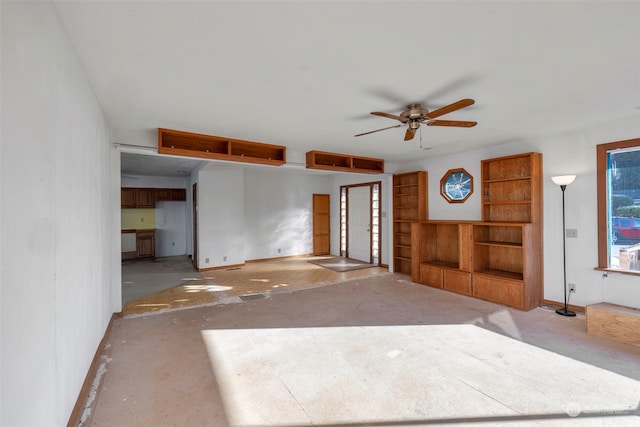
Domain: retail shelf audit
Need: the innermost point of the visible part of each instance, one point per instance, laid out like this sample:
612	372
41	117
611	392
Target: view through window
622	204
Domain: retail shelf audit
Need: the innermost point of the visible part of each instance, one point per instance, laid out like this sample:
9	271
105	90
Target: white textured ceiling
306	74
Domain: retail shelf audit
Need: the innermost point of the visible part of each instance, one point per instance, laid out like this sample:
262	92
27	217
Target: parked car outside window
624	228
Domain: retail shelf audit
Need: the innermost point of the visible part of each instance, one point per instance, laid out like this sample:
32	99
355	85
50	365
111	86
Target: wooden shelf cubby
512	188
410	203
442	253
343	162
188	144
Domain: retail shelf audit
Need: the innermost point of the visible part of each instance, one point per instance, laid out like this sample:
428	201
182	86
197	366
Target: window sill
607	270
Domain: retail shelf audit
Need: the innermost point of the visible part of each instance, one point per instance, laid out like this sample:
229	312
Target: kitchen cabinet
138	244
146	243
131	198
170	195
128	198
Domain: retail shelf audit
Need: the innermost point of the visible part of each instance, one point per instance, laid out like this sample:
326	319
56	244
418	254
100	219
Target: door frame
194	210
344	231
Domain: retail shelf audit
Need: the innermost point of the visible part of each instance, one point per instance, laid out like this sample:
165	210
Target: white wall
220	216
59	219
567	153
172	226
278	211
170	236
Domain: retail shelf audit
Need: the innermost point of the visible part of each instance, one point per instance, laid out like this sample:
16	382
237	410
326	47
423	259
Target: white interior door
359	226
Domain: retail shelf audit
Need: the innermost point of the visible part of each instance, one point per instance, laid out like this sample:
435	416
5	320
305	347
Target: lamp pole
563	181
564	311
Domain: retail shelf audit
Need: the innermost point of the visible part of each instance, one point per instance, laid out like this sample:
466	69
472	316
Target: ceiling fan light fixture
415	115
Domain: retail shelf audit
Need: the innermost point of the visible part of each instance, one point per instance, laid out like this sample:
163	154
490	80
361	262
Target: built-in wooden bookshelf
343	162
498	259
179	143
512	188
443	253
410	203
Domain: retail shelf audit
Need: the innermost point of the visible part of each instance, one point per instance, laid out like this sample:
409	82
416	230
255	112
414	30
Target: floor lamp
563	181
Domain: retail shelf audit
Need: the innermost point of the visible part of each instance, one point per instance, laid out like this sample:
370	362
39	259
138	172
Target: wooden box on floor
615	322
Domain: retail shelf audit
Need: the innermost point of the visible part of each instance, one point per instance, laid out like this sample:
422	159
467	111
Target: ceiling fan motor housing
414	112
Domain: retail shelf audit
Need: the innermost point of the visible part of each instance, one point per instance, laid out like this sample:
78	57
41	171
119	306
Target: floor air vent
250	297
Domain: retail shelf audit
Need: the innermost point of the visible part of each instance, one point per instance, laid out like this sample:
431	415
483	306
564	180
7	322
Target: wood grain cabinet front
146	244
132	198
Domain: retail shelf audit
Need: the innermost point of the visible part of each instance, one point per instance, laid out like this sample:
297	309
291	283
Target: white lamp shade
563	179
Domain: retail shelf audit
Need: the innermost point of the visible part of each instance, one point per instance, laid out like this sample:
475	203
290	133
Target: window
618	171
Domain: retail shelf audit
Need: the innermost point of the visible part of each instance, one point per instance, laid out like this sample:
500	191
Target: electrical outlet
572	287
278	250
224	258
206	260
572	233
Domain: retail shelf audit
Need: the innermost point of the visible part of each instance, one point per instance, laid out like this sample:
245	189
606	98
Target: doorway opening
360	225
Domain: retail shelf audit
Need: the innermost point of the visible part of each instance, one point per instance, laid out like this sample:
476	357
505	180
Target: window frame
601	173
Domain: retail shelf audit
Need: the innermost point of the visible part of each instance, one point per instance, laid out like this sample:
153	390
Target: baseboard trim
76	413
576	308
280	257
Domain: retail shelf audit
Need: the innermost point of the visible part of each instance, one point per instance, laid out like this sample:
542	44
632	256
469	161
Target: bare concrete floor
370	351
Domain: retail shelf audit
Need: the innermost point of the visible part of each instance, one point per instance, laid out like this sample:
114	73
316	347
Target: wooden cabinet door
162	194
127	198
145	244
178	194
145	198
321	243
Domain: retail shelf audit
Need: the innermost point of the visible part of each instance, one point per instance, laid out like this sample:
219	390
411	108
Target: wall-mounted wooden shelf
343	162
179	143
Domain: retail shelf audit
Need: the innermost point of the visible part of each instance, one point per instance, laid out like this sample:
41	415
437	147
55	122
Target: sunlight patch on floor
406	374
206	288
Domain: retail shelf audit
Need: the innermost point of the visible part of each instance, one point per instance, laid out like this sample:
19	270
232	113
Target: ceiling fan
415	115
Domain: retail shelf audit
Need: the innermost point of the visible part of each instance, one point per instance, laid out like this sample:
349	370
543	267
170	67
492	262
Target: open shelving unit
410	204
497	259
442	252
511	188
343	162
179	143
507	245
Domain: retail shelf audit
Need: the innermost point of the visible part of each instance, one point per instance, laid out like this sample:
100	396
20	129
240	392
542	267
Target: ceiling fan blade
378	130
453	123
450	108
410	134
389	116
